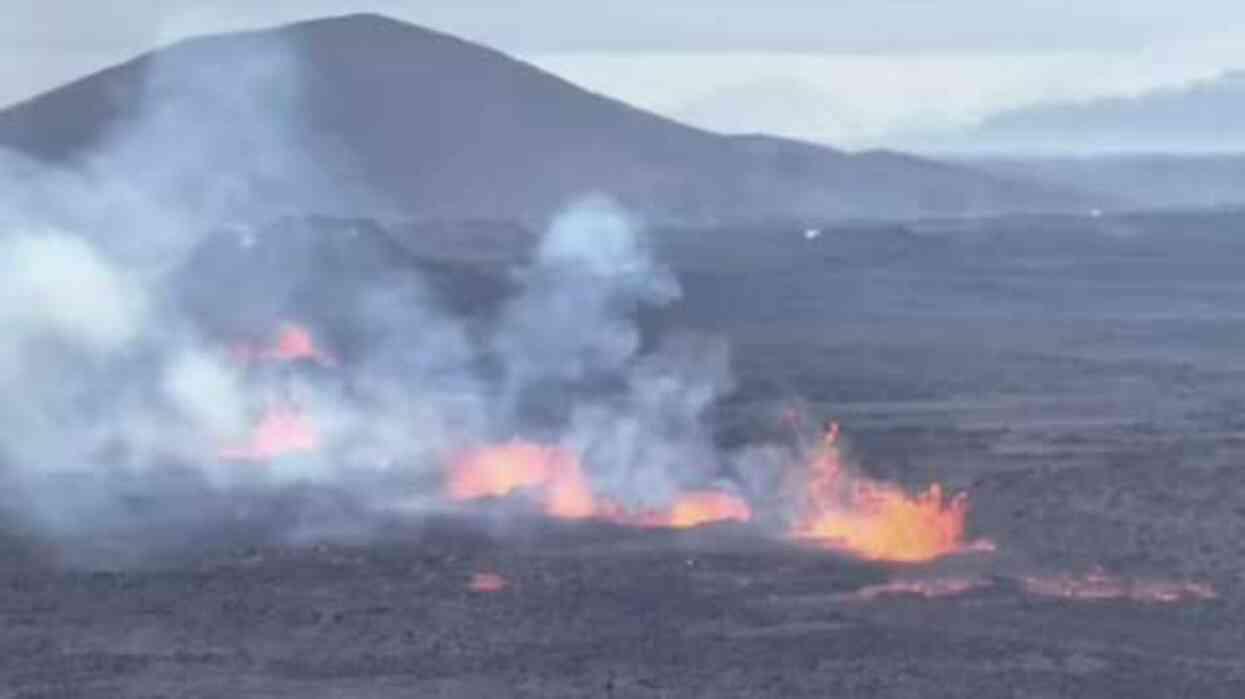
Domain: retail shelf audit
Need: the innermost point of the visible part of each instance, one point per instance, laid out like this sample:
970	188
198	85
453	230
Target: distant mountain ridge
1204	117
433	127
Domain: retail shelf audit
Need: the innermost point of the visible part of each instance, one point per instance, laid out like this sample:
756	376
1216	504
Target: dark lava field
1081	379
586	613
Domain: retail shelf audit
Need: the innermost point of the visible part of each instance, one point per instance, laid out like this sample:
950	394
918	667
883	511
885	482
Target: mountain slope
1203	117
369	115
1154	181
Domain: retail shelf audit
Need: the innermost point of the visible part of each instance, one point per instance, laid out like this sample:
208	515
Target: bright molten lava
556	478
688	510
498	471
704	507
293	342
283	430
876	520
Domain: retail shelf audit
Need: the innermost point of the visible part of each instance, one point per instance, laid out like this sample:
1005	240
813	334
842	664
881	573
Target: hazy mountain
1201	117
364	114
791	108
1142	181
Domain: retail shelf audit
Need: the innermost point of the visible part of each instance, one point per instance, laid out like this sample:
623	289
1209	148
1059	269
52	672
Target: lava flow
283	430
293	342
1094	586
557	479
498	471
695	509
1098	585
487	582
873	519
933	588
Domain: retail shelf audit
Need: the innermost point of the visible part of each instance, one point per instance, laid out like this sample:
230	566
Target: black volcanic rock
322	271
433	127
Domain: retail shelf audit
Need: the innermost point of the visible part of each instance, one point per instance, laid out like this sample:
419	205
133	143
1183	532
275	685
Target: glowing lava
932	588
557	480
1094	586
293	342
876	520
282	431
554	474
487	582
704	507
690	510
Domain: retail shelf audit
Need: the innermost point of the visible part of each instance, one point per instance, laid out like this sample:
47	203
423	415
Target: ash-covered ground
1079	378
585	612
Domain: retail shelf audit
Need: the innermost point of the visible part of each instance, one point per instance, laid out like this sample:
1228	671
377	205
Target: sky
855	73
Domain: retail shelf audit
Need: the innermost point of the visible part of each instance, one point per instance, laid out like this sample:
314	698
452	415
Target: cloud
861	101
58	285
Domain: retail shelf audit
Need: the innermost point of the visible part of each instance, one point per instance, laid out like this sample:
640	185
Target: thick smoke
125	397
573	330
58	286
124	400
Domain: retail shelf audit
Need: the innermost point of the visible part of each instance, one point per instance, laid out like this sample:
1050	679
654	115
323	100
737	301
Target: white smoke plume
124	400
58	286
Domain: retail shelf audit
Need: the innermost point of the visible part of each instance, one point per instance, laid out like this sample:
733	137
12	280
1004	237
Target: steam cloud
124	396
122	390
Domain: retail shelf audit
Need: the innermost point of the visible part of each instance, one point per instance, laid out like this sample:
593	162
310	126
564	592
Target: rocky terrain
1077	377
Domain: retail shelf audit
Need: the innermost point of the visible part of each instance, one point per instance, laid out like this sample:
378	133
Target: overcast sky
855	72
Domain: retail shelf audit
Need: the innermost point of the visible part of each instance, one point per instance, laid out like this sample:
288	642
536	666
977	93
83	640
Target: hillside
1201	117
366	115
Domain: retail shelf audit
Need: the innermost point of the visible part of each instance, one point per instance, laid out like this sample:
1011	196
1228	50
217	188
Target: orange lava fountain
873	519
556	477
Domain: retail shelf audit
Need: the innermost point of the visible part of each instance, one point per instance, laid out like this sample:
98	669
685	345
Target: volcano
434	127
332	455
